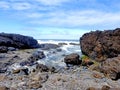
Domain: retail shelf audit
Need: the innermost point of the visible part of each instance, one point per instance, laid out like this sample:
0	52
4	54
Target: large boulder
72	59
100	45
18	41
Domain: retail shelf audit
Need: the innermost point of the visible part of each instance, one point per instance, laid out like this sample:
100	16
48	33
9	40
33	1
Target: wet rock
42	68
61	44
100	45
48	46
17	41
3	49
111	67
74	44
36	56
73	59
11	49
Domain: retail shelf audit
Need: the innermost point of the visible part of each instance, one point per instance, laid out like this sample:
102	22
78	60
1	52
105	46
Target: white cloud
78	18
52	2
4	5
21	6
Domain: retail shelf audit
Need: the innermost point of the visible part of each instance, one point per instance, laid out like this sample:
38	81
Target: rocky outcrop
72	59
17	41
100	45
111	67
48	46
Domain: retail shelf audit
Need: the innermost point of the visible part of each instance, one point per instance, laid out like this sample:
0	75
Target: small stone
16	71
34	85
3	88
105	87
97	75
91	88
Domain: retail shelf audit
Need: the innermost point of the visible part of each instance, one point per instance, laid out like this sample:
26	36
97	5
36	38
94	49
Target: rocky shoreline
97	69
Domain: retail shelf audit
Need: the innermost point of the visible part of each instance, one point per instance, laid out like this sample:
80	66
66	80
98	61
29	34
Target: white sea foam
56	59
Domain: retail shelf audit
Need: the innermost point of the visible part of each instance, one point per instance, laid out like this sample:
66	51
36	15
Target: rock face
72	59
111	67
17	41
100	45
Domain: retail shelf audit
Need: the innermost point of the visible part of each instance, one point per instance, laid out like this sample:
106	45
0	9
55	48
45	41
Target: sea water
56	58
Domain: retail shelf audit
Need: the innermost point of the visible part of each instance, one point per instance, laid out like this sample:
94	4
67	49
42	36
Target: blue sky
58	19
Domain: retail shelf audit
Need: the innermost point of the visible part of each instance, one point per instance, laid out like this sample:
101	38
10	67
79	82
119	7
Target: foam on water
57	59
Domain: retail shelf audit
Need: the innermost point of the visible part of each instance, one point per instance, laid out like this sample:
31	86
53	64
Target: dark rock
3	49
74	44
48	46
61	44
105	87
23	71
17	41
100	45
111	67
42	68
72	59
59	50
36	56
91	88
87	63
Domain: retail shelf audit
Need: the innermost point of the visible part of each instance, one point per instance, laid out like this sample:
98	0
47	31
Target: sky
58	19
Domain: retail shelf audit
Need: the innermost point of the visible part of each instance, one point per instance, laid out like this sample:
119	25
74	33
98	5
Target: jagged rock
3	49
17	41
100	45
61	44
111	67
48	46
42	68
36	56
72	59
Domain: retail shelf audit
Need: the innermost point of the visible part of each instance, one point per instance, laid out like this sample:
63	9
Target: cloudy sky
58	19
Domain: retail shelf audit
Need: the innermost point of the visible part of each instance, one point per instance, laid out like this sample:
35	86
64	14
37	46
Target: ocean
56	58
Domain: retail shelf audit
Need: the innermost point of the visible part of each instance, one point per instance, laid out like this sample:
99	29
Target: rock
3	49
100	45
16	71
3	88
36	56
42	68
11	49
74	44
89	63
17	41
48	46
91	88
72	59
34	85
105	87
61	44
23	71
111	67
